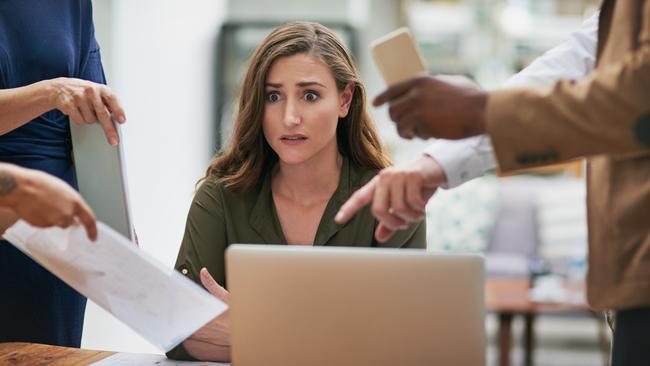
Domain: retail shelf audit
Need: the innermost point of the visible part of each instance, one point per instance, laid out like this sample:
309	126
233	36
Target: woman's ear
345	99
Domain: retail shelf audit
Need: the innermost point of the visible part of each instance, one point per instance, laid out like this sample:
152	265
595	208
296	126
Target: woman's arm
212	341
21	105
203	245
83	101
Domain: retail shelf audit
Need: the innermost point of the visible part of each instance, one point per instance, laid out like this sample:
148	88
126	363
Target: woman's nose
291	114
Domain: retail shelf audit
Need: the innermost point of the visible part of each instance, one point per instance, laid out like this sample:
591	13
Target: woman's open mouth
293	139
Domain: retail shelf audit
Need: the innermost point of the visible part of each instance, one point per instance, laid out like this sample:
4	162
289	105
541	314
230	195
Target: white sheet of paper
157	302
139	359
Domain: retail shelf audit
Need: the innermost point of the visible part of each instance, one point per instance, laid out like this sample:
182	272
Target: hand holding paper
157	302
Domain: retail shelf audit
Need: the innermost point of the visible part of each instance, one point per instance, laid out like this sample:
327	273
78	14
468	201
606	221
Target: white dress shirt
466	159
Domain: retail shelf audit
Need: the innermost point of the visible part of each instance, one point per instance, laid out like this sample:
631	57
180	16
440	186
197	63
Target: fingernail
112	141
121	119
338	217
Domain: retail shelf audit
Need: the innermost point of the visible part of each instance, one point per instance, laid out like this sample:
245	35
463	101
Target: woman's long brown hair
248	156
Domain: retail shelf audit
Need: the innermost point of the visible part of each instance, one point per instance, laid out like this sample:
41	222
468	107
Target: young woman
303	142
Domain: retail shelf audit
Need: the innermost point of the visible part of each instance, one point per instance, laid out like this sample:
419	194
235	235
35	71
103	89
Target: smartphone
397	57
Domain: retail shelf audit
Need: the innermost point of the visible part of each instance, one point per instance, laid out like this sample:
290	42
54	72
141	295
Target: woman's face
302	108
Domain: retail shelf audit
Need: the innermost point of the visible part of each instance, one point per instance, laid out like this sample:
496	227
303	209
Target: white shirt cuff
463	160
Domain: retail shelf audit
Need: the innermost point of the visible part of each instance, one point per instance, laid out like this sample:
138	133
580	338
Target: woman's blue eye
311	96
272	97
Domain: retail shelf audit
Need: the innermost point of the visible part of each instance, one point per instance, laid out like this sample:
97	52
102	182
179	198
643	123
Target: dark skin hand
427	107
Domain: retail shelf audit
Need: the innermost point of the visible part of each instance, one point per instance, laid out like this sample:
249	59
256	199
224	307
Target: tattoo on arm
7	183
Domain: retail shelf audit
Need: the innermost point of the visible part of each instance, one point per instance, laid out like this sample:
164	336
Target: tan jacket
605	117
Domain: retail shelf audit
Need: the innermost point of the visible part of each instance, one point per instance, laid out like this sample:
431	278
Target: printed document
157	302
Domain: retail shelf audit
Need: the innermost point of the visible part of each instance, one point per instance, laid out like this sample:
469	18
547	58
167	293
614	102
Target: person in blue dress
50	73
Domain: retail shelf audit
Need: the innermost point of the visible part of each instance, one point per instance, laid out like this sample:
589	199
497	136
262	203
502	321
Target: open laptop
338	306
101	176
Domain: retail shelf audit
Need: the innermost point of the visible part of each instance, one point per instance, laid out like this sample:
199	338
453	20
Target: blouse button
184	271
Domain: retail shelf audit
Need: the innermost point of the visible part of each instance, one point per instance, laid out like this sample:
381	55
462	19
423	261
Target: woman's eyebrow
303	84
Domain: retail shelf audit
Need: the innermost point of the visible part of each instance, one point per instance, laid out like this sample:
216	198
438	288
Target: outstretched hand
398	196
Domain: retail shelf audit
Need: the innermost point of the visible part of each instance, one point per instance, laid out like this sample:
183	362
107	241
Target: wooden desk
508	297
33	354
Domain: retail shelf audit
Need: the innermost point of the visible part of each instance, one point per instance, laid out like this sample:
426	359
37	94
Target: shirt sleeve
466	159
572	59
463	160
203	244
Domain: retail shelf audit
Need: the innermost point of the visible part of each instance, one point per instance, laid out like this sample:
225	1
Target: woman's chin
293	158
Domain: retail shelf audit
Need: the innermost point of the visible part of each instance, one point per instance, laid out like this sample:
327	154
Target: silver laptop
329	306
101	176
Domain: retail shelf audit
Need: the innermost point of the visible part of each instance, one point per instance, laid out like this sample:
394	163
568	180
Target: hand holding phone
398	57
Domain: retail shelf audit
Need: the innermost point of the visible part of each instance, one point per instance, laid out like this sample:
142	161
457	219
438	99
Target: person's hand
87	102
440	107
212	341
398	195
44	200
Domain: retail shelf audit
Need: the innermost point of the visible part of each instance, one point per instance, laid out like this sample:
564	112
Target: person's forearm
15	182
8	183
8	186
607	113
463	160
205	351
7	218
20	105
42	200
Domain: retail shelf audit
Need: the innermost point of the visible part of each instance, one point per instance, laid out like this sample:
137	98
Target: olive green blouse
219	217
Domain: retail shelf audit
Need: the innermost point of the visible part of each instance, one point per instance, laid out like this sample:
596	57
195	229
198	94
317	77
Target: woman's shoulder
215	188
210	185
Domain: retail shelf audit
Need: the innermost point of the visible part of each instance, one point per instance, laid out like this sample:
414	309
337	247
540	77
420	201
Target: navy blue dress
39	40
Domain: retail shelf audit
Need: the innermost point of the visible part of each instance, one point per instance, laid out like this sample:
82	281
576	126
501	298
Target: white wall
158	56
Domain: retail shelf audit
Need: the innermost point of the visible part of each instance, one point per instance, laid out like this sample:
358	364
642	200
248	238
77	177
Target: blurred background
177	65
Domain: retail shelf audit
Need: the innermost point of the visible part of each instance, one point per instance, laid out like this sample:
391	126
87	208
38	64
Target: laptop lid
316	306
101	176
